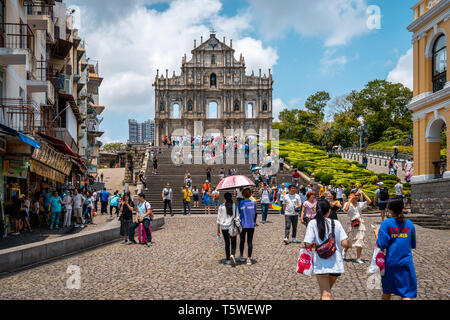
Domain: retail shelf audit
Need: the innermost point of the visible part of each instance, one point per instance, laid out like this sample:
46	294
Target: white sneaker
359	261
294	240
286	240
233	260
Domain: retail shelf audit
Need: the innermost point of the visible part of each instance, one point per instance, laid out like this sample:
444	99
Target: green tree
113	147
383	104
317	103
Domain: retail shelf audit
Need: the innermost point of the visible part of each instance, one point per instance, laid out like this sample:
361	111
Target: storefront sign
52	159
46	172
16	167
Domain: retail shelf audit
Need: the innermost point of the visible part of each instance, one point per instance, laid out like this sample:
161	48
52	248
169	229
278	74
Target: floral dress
356	234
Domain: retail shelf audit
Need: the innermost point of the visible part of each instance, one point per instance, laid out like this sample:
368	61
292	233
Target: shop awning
21	136
64	148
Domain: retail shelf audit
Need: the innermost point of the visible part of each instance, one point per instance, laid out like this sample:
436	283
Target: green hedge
333	169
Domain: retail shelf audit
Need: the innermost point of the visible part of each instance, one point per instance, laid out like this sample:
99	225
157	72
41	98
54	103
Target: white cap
380	184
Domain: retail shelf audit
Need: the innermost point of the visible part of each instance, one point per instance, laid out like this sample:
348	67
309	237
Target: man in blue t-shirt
104	195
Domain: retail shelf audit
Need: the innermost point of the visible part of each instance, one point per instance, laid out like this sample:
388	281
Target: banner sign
47	172
52	159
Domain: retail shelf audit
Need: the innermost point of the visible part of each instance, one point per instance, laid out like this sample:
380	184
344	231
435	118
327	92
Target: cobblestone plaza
185	263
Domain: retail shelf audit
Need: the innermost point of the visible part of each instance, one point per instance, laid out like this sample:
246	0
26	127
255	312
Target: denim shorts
216	203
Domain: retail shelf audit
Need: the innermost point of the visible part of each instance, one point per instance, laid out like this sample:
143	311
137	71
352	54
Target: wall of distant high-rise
141	132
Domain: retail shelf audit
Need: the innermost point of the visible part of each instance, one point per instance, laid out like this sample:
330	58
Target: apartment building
48	99
141	132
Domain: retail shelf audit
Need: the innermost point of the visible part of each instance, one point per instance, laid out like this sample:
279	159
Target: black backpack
384	194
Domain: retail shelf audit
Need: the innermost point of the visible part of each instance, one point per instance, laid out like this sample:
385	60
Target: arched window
250	111
236	105
264	107
213	80
213	111
176	114
439	63
190	106
213	59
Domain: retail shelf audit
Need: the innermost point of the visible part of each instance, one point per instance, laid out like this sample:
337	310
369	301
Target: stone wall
135	159
431	198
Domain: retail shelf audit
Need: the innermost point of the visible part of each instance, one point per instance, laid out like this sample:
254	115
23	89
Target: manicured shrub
326	178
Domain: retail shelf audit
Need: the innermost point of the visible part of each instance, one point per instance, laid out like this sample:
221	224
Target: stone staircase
428	221
170	173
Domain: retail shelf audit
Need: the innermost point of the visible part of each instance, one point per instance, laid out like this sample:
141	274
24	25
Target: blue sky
309	46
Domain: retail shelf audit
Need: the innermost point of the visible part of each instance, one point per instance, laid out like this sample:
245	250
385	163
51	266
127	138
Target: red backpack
328	248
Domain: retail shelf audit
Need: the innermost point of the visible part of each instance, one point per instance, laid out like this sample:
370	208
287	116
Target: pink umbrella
235	182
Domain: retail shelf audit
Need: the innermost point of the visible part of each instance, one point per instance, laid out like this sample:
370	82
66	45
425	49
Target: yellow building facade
430	184
431	102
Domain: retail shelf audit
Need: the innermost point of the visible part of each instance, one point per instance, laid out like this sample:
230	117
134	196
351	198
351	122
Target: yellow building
430	105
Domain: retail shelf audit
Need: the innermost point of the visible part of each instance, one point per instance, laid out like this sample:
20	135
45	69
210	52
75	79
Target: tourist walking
55	208
409	169
114	204
292	205
101	176
142	179
355	226
78	201
89	203
187	194
399	192
308	208
381	198
126	217
25	205
195	194
68	203
167	199
216	197
340	194
104	196
207	201
247	211
265	202
144	216
335	205
296	178
397	236
326	268
208	173
225	218
155	165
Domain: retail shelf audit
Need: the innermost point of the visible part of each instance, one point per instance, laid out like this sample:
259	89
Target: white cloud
133	43
403	72
336	21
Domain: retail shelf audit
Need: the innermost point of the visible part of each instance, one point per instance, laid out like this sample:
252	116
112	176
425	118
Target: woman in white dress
355	225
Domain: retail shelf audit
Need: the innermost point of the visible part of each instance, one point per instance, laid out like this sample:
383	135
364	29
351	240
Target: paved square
184	263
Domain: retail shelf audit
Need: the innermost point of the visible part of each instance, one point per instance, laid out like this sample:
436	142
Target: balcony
64	135
39	12
37	77
16	42
93	127
18	115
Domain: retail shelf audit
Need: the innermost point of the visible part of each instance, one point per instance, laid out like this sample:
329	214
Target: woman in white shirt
318	231
224	219
355	226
